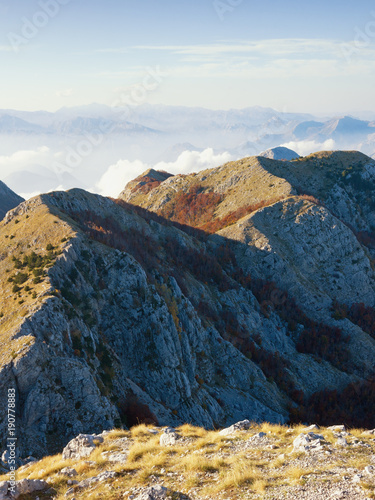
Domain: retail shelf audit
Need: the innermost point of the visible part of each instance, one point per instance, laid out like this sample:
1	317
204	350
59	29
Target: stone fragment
68	472
341	441
82	446
153	493
311	428
337	428
309	442
244	425
22	488
169	437
100	478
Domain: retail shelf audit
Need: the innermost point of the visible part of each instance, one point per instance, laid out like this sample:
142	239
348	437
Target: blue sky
293	56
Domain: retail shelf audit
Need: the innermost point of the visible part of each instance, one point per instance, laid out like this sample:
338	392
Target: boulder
309	442
153	493
169	437
341	441
82	446
370	469
337	428
22	487
244	425
68	472
311	428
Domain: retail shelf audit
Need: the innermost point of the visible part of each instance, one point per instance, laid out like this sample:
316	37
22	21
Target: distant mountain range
85	142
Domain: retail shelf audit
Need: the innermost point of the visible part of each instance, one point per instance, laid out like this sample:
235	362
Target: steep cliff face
112	314
103	339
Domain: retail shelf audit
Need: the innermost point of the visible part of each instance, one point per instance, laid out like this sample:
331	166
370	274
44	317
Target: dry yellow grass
215	466
18	238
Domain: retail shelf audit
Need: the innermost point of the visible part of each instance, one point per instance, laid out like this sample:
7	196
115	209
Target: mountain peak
280	153
144	183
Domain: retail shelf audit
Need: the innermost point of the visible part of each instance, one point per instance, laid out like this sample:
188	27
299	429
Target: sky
295	56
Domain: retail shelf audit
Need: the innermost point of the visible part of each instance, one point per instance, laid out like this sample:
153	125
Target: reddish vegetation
359	314
354	406
194	208
311	198
327	342
216	225
197	208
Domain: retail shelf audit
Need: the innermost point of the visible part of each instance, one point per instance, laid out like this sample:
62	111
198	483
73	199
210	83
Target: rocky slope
112	314
244	461
8	199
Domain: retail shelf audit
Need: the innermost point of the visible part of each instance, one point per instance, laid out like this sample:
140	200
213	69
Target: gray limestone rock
153	493
169	437
244	425
81	447
309	442
21	488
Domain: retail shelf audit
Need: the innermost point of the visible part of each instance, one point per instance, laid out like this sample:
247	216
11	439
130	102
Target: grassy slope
19	237
208	465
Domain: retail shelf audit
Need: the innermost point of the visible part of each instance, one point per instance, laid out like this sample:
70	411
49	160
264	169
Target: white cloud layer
23	158
119	174
304	148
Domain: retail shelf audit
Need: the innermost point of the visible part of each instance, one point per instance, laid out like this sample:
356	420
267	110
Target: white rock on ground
308	442
169	437
244	425
80	447
153	493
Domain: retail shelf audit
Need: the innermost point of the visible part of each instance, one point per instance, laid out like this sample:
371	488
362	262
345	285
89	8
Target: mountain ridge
161	321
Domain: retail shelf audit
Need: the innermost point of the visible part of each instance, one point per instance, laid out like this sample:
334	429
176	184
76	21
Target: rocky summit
245	291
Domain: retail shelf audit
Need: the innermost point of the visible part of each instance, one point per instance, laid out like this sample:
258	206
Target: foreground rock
82	446
244	425
309	442
21	488
169	437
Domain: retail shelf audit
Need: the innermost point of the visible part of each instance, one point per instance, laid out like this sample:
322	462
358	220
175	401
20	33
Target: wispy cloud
275	58
273	47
